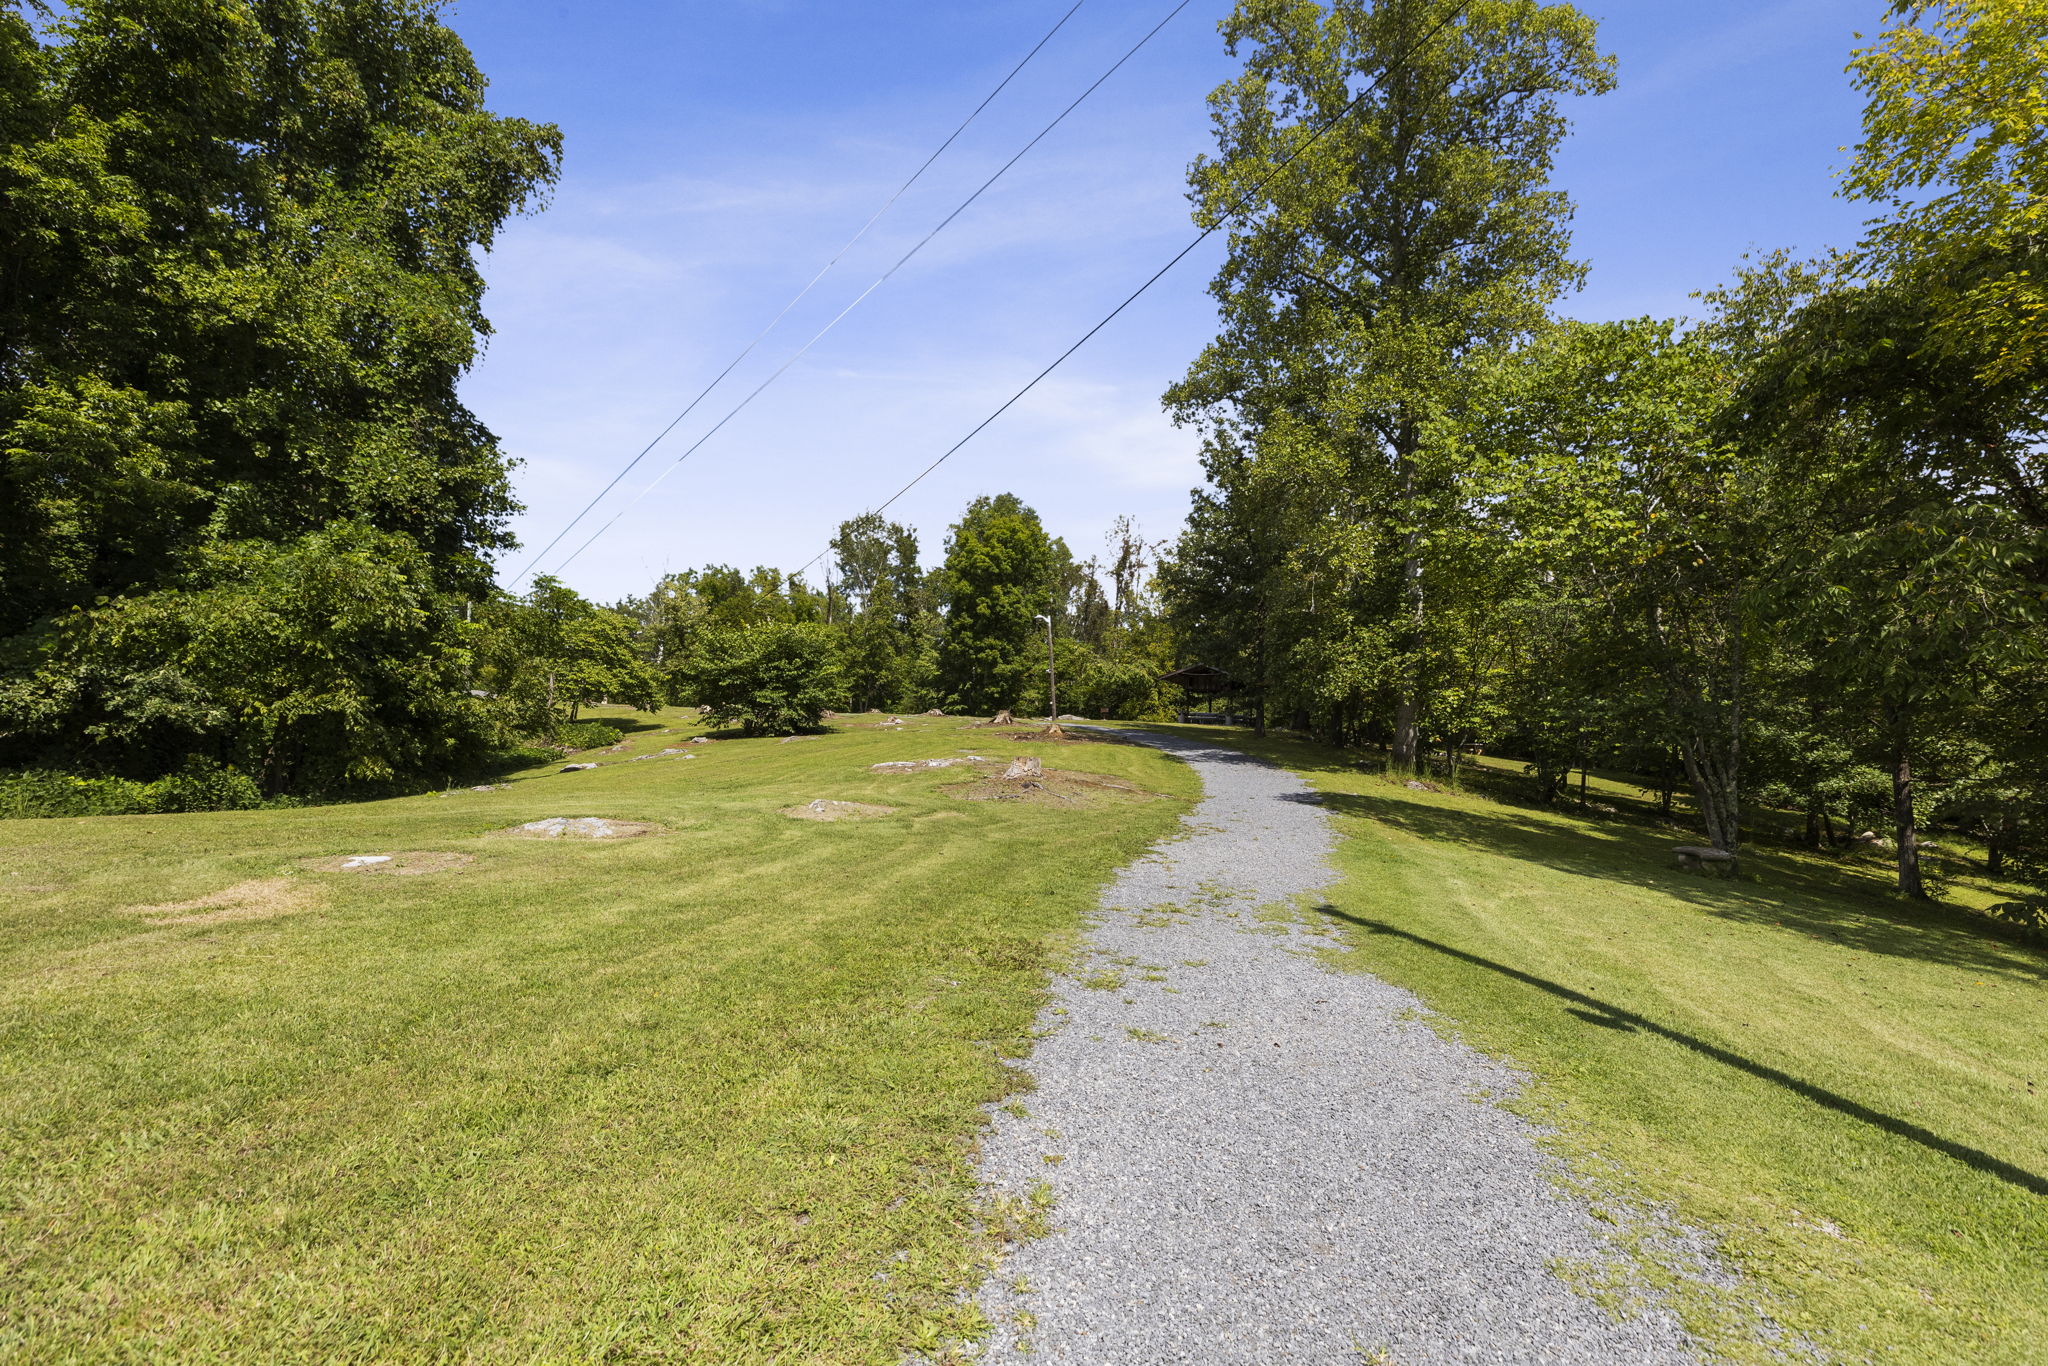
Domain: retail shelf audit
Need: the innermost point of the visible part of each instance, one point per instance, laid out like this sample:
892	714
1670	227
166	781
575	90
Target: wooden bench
1698	858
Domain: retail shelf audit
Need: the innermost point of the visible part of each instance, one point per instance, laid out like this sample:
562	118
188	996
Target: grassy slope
708	1095
1848	1091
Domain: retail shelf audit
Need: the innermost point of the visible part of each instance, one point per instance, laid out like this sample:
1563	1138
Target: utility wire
801	294
1225	217
877	284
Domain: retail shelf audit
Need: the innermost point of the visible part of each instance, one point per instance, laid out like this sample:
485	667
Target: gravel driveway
1260	1160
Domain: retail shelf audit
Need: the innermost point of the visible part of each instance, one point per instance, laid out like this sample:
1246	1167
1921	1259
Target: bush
201	785
771	679
205	786
588	734
48	792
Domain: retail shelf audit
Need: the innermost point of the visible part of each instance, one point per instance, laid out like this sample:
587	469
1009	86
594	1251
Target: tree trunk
1259	703
1905	828
1813	822
1716	786
1406	747
1827	827
1994	850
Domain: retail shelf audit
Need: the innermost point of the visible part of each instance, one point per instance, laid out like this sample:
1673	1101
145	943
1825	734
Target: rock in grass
576	768
411	863
582	828
916	765
1699	858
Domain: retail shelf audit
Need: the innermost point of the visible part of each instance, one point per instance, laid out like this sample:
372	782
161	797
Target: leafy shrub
200	786
48	792
205	786
771	679
587	734
2030	918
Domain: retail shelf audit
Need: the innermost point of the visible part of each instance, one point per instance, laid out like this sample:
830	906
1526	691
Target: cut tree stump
1698	858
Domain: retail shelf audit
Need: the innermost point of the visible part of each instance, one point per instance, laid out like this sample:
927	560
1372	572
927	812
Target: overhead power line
803	293
1225	217
878	282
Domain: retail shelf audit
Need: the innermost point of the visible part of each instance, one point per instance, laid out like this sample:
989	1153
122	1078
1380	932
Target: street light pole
1052	677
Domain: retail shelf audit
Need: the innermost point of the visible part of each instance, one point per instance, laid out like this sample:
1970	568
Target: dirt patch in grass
923	765
582	828
1070	737
1053	787
260	899
822	810
410	864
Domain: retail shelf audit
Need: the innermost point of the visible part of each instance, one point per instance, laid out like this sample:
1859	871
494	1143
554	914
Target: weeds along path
1257	1159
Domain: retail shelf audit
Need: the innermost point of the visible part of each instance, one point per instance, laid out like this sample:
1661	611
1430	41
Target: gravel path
1262	1160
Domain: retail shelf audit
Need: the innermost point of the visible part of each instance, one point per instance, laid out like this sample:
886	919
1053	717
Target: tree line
1790	553
773	652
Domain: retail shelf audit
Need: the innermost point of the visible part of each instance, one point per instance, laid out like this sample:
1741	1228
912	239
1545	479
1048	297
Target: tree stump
1003	718
1025	767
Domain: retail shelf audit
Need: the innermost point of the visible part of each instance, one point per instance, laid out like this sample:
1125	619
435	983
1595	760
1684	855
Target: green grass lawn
1849	1091
708	1095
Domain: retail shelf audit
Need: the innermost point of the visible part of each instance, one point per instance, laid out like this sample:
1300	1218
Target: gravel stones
1260	1159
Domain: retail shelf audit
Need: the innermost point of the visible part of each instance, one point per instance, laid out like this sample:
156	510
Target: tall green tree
1001	571
1413	225
239	280
887	619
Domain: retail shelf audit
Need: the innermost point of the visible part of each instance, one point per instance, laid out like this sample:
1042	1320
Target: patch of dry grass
257	899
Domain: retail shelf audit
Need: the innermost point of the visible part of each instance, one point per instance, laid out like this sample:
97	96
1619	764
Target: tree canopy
239	281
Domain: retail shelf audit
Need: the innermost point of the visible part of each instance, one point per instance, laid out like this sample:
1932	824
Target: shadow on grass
1597	1012
1805	901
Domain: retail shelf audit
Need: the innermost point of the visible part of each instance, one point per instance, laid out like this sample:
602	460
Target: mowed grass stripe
707	1093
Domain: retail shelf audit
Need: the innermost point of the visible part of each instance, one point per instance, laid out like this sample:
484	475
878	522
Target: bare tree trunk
1716	786
1259	703
1406	746
1904	825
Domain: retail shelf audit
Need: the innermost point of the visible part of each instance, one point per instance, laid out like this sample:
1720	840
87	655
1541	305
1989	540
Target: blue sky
718	153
